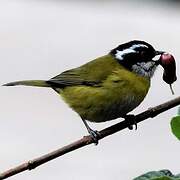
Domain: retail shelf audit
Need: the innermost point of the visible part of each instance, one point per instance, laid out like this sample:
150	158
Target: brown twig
86	140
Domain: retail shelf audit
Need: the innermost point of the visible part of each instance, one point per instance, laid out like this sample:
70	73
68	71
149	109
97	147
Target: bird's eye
142	53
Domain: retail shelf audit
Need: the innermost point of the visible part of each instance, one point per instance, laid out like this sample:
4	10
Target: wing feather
89	74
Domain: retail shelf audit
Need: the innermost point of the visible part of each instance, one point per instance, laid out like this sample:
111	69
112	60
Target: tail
39	83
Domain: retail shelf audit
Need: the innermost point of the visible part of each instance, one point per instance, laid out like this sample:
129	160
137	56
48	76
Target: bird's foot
130	118
95	135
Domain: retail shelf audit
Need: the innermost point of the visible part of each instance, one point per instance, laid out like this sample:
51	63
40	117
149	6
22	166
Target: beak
159	52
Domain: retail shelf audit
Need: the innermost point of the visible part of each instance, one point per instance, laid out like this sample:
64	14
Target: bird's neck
144	69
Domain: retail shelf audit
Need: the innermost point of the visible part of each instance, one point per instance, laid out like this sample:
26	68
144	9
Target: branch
86	140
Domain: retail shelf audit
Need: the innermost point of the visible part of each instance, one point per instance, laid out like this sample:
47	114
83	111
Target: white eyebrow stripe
119	54
138	45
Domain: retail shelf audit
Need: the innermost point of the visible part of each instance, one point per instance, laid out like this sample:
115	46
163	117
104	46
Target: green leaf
175	126
158	175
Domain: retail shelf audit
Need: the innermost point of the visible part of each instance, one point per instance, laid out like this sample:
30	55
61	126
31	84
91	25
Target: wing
71	78
90	74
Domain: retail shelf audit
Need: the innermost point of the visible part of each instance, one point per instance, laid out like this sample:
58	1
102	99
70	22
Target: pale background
40	39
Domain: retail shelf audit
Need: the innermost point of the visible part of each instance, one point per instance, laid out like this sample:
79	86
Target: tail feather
39	83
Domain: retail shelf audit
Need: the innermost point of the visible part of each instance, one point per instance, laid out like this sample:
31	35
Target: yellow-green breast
119	92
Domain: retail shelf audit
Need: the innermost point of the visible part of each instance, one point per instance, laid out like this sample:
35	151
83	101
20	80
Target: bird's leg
130	118
94	134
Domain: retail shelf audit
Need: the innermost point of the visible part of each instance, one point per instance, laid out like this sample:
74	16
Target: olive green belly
110	101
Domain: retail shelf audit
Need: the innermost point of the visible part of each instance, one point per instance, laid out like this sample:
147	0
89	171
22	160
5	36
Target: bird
108	87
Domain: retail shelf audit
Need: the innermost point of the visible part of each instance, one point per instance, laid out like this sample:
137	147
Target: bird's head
137	56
